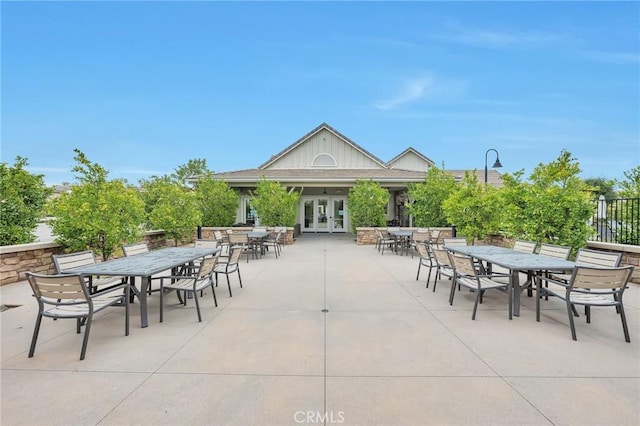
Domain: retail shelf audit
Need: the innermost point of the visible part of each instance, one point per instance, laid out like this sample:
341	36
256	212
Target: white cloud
457	33
422	87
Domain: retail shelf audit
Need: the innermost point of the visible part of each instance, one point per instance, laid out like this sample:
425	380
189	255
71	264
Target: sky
143	87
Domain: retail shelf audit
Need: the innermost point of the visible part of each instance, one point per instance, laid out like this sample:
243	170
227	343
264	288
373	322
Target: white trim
324	154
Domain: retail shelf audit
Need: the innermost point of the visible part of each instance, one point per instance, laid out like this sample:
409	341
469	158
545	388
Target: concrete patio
386	352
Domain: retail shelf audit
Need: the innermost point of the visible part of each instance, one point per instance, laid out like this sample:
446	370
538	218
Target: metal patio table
404	237
144	265
515	261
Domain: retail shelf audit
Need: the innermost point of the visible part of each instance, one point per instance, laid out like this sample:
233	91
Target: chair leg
624	324
571	308
127	291
418	274
85	340
587	313
195	296
429	276
161	301
36	330
229	285
213	292
239	277
475	305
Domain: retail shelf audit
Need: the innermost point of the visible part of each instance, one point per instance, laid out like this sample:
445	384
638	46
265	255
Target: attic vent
324	160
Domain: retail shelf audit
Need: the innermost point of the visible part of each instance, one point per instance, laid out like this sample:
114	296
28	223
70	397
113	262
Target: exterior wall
410	161
346	156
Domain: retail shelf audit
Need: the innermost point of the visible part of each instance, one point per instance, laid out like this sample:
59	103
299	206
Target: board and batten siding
410	161
325	142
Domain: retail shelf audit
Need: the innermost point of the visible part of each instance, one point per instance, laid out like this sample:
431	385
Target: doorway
324	214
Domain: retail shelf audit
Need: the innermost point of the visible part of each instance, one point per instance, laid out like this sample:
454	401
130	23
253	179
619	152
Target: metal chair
443	265
67	296
426	259
65	262
192	284
230	266
590	286
466	275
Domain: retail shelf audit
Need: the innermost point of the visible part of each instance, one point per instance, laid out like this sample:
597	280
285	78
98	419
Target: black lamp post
495	165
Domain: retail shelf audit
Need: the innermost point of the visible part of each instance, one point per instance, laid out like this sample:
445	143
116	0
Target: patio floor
386	352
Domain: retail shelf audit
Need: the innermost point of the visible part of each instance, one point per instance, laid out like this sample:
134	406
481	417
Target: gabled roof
323	126
411	150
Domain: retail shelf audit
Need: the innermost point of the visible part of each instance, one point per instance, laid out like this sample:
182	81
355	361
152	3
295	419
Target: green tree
630	186
23	197
171	207
218	202
554	206
367	204
97	214
475	209
601	186
274	205
428	197
193	168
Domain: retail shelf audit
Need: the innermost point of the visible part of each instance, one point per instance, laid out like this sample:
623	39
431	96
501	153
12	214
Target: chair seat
187	284
485	283
82	307
582	298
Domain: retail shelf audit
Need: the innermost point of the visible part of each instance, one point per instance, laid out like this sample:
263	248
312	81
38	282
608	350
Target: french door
324	214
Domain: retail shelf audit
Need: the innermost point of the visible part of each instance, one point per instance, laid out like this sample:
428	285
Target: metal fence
617	221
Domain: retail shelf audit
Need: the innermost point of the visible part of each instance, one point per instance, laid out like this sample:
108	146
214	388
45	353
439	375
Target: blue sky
142	87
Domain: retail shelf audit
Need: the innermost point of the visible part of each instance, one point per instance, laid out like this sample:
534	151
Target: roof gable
410	159
324	147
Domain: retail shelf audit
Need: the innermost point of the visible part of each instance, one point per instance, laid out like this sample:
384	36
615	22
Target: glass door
338	215
322	215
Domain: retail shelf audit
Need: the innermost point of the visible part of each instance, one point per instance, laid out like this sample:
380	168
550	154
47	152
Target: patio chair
552	250
454	241
594	258
435	238
191	284
273	240
64	262
419	237
230	266
525	246
387	241
426	259
68	296
590	286
242	241
443	265
466	275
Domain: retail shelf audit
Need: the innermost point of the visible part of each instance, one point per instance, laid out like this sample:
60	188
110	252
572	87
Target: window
324	160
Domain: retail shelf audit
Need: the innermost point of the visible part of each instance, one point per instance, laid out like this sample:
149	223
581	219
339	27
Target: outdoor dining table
516	262
404	237
144	265
255	239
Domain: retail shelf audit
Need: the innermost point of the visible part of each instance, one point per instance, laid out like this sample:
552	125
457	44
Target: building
323	165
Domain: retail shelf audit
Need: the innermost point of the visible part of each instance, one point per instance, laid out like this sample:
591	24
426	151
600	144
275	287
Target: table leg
142	296
515	292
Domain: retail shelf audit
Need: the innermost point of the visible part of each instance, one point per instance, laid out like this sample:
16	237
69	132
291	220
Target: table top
146	264
513	259
257	234
401	233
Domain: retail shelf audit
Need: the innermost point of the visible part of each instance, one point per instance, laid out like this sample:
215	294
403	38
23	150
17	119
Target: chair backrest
423	250
393	228
62	289
600	278
205	243
236	238
463	265
435	235
206	267
525	246
421	236
423	230
64	262
224	250
442	257
133	249
597	258
552	250
235	254
217	235
458	241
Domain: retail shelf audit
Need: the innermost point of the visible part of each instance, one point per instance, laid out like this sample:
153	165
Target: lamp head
497	163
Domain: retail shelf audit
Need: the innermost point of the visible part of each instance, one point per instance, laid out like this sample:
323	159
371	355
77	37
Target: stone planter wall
367	236
208	233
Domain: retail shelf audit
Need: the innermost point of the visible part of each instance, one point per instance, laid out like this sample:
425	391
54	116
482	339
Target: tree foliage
274	205
601	186
218	202
554	206
367	204
428	197
23	197
98	214
475	209
194	167
630	186
171	207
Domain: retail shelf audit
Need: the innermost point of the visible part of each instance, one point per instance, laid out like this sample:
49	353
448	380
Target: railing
617	221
